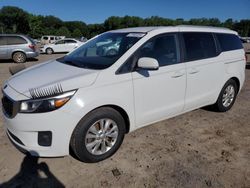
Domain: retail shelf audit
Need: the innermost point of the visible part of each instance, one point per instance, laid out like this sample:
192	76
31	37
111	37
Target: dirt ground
197	149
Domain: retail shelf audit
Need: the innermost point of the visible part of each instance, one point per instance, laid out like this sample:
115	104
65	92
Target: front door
60	46
159	94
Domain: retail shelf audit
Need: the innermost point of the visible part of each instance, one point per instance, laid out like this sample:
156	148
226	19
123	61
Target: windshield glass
103	51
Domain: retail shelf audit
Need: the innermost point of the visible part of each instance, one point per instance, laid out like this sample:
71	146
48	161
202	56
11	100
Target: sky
96	11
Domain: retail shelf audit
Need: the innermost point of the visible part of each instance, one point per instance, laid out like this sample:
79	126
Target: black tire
218	106
49	51
78	143
19	57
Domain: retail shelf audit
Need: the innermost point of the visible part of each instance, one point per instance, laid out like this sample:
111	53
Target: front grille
10	107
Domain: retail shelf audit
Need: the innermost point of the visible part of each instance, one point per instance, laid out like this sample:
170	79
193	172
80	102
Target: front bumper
23	131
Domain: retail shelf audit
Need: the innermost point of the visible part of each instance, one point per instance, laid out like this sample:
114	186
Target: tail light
32	47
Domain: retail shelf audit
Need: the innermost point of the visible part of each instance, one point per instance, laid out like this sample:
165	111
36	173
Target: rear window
199	46
13	40
229	42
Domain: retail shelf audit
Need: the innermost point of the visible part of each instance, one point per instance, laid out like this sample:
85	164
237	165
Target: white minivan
86	101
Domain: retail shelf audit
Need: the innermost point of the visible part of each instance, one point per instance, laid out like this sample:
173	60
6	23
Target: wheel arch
121	111
49	47
15	51
237	82
117	108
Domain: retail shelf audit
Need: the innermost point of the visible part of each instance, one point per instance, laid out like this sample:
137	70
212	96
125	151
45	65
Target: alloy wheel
101	136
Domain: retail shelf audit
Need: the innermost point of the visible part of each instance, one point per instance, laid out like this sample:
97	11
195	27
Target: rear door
60	46
70	45
17	43
204	71
3	48
159	94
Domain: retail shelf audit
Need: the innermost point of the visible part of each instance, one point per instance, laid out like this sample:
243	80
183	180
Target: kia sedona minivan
17	47
86	101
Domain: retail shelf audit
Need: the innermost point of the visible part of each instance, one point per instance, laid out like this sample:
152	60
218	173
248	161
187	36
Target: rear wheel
227	96
19	57
49	51
98	135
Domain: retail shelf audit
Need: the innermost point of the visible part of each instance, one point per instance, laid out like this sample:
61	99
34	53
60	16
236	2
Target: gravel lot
197	149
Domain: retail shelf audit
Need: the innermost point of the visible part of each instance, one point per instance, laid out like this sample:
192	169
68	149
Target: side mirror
148	63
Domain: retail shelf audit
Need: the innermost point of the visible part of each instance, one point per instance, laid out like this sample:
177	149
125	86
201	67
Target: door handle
193	71
178	74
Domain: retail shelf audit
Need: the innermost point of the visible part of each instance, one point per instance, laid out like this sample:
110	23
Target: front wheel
227	96
98	135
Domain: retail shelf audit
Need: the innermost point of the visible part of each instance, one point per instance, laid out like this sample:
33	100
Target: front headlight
46	104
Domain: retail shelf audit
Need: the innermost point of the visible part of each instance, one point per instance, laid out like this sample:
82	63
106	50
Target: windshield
103	51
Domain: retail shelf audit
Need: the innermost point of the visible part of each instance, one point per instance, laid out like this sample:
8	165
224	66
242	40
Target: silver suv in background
17	47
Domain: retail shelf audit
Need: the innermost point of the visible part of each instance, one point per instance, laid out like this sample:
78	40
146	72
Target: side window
45	38
52	38
70	41
163	48
199	45
14	40
60	42
229	42
3	41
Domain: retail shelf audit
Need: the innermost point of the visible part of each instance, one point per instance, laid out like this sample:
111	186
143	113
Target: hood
51	74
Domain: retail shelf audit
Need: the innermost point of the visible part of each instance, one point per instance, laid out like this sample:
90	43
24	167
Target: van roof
178	28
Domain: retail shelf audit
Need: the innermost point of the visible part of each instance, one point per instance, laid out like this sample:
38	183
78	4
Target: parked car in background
83	39
108	48
17	47
50	39
37	41
87	102
63	45
246	45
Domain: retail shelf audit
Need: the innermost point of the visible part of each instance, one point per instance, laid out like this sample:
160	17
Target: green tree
63	31
72	25
36	26
76	33
229	23
243	28
113	22
95	29
14	19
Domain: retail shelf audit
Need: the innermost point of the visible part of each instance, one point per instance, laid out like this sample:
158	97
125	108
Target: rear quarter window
15	40
229	42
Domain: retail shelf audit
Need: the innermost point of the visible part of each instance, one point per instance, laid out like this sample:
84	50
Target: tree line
16	20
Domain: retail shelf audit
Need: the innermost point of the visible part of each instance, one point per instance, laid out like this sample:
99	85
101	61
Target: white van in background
50	39
89	99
